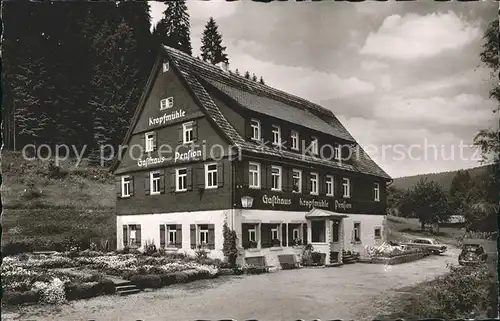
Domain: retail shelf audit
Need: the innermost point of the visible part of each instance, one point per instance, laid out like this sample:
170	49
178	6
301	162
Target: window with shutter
147	183
131	185
162	235
125	236
172	174
195	130
199	176
162	181
253	175
211	236
154	181
178	243
138	241
211	176
118	186
220	174
189	179
192	230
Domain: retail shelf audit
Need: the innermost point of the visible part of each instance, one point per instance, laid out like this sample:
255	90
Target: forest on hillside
73	71
443	179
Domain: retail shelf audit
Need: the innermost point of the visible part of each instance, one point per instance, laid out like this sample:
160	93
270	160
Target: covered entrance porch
326	234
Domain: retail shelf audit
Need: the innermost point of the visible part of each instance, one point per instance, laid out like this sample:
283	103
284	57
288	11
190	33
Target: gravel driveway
308	293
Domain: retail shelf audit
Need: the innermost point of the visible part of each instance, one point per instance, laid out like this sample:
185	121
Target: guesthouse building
207	147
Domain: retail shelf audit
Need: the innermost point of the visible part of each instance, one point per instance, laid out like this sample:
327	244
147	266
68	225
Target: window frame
346	187
299	171
167	103
377	237
250	171
186	130
256	128
316	180
330	184
314	145
298	233
294	137
149	142
123	183
168	232
376	192
354	229
280	178
276	130
201	231
214	173
152	181
177	176
277	230
253	231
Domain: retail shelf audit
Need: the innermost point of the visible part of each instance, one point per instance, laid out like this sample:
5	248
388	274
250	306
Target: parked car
431	245
472	253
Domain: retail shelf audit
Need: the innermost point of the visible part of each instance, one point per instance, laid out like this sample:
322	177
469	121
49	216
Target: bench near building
279	170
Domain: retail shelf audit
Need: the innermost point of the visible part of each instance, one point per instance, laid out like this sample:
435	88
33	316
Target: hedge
76	291
16	298
146	281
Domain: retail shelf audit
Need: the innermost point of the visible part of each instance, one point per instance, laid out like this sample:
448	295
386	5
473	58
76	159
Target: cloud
462	109
310	84
403	151
371	65
413	36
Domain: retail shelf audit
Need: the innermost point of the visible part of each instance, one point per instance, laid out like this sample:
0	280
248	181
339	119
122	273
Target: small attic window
166	66
167	103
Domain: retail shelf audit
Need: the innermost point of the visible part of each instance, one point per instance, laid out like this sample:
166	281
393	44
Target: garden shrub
181	277
149	248
16	298
15	248
458	294
146	281
168	279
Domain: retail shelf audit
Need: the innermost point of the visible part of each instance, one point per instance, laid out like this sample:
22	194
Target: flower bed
389	254
28	280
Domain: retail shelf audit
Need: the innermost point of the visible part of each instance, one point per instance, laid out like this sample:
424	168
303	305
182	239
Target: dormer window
167	103
150	143
187	133
376	192
337	153
276	135
314	145
295	140
255	125
166	66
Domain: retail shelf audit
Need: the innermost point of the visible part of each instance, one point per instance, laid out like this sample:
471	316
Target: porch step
125	288
128	292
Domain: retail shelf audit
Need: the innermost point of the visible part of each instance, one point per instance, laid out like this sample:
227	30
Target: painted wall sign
150	161
342	205
287	201
276	200
178	156
154	121
313	203
190	155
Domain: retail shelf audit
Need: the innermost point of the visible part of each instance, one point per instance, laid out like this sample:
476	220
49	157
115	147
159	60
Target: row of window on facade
254	235
254	169
171	235
187	135
182	180
256	135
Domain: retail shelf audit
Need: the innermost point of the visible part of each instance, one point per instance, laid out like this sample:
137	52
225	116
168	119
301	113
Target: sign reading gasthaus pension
299	203
176	157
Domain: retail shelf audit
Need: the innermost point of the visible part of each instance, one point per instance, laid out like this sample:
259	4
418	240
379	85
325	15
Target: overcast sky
399	76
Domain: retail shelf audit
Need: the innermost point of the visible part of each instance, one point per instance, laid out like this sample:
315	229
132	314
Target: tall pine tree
173	29
211	48
112	100
261	80
247	74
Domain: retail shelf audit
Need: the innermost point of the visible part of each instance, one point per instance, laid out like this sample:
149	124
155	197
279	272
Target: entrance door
335	241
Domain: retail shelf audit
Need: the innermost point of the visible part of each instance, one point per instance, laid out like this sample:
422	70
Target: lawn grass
403	229
42	206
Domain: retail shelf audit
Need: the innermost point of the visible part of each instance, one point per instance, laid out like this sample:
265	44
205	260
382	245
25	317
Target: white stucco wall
150	230
368	224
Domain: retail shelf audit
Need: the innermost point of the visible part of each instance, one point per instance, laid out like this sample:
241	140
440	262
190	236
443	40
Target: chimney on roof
224	66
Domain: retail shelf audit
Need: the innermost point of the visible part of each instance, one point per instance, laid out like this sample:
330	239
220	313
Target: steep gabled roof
258	97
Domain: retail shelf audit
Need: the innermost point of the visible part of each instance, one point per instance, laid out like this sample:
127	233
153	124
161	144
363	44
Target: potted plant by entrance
307	255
